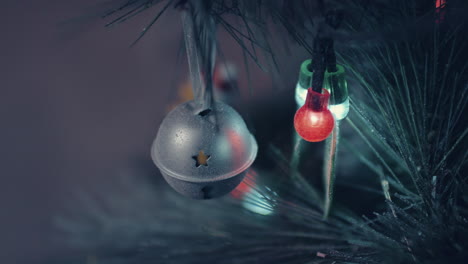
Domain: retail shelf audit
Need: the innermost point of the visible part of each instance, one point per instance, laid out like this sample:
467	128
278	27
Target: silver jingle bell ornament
203	154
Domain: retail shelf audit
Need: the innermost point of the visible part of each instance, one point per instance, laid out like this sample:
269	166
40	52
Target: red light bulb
313	121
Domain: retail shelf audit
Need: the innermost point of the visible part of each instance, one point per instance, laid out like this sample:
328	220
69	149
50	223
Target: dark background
78	106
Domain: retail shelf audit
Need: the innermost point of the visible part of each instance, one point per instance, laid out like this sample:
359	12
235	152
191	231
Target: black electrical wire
324	57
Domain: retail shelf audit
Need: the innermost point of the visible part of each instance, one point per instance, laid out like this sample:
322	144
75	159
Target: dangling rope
200	41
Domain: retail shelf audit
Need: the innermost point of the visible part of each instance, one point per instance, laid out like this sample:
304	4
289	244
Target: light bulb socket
335	82
317	102
305	74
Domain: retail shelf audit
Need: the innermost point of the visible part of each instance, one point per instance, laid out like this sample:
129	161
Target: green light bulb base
334	82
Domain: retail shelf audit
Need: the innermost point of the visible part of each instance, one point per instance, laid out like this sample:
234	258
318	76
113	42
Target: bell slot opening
207	192
204	112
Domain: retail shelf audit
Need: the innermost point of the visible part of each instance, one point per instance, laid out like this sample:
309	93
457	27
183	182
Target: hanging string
200	41
209	57
192	54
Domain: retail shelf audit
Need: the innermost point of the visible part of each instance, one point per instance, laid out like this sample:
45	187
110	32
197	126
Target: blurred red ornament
246	186
440	10
440	3
313	121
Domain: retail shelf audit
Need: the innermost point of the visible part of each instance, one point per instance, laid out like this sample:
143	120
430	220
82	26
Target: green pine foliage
408	70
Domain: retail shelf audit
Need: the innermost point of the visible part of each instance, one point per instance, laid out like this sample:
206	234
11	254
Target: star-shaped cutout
201	159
